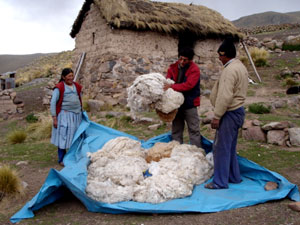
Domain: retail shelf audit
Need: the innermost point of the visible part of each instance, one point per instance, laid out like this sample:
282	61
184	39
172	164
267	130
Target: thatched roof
170	18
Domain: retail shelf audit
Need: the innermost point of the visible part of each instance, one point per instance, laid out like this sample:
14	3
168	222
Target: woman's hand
54	121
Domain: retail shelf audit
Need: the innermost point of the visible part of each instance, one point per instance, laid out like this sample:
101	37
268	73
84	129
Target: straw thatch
170	18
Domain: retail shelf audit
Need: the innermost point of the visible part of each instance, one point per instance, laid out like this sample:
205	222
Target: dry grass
16	136
260	56
161	17
10	182
41	130
46	66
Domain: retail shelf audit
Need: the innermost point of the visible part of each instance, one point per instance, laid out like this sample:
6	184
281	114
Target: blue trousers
226	167
61	154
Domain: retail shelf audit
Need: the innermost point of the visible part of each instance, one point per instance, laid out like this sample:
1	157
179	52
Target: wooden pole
251	61
79	65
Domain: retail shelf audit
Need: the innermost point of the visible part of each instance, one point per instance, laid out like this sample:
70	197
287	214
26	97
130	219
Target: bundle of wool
147	91
160	150
116	171
174	177
170	100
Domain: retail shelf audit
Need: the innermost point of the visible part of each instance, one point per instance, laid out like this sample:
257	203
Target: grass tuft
260	56
10	182
17	136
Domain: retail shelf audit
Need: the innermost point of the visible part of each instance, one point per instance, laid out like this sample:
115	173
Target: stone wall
115	57
8	105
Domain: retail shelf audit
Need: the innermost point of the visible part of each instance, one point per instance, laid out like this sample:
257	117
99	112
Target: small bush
290	47
259	108
10	182
291	82
259	56
17	136
31	118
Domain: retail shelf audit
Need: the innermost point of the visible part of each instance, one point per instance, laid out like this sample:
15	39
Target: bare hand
54	121
167	86
215	123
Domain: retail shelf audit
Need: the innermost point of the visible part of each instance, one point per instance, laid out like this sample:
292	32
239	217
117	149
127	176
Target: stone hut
123	39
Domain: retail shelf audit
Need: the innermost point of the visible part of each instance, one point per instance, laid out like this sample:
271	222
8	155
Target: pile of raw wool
116	172
147	91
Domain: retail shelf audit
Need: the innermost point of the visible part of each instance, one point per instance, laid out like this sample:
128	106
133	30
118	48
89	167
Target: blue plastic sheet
91	136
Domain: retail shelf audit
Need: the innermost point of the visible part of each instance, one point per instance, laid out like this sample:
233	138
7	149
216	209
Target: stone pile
9	105
277	133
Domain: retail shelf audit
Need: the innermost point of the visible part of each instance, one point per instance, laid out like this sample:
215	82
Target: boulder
294	135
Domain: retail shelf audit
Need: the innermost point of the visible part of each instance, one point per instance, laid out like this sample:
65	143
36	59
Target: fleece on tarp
91	136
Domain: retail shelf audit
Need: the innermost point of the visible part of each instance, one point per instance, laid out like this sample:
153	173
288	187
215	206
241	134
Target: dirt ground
69	210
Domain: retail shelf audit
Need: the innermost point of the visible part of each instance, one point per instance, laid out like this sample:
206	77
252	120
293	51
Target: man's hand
167	86
54	121
215	123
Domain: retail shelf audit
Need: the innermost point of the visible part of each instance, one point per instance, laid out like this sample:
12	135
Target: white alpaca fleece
116	172
147	91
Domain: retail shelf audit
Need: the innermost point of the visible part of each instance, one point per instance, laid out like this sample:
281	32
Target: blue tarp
91	136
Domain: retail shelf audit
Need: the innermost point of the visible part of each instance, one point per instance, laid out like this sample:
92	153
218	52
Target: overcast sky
43	26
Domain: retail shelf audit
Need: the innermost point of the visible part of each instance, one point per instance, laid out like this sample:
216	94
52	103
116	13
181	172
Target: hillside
268	18
14	62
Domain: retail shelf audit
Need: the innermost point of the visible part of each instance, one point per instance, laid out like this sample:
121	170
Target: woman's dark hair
187	52
64	73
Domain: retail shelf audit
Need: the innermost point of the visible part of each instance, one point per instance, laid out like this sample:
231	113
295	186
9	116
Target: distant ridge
14	62
268	18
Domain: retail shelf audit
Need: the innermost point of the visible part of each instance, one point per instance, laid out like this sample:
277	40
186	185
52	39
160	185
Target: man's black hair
187	52
228	48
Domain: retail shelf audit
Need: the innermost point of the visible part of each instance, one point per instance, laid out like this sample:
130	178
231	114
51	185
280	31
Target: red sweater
190	87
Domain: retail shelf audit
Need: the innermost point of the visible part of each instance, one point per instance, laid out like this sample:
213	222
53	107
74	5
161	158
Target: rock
254	133
154	126
294	136
22	163
95	105
247	124
256	123
276	126
271	186
295	206
279	104
276	137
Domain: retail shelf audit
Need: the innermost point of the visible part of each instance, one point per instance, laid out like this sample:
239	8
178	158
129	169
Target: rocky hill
268	18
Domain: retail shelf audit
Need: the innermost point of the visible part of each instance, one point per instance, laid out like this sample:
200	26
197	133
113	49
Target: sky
43	26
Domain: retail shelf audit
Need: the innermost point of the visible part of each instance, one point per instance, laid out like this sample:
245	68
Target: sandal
210	186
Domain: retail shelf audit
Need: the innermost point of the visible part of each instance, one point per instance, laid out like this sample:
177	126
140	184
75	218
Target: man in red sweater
186	75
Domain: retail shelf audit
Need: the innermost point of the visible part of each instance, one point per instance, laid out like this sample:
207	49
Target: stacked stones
9	105
277	133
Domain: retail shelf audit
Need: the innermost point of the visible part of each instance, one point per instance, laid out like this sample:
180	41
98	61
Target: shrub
290	47
10	182
259	108
259	56
17	136
31	118
291	82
